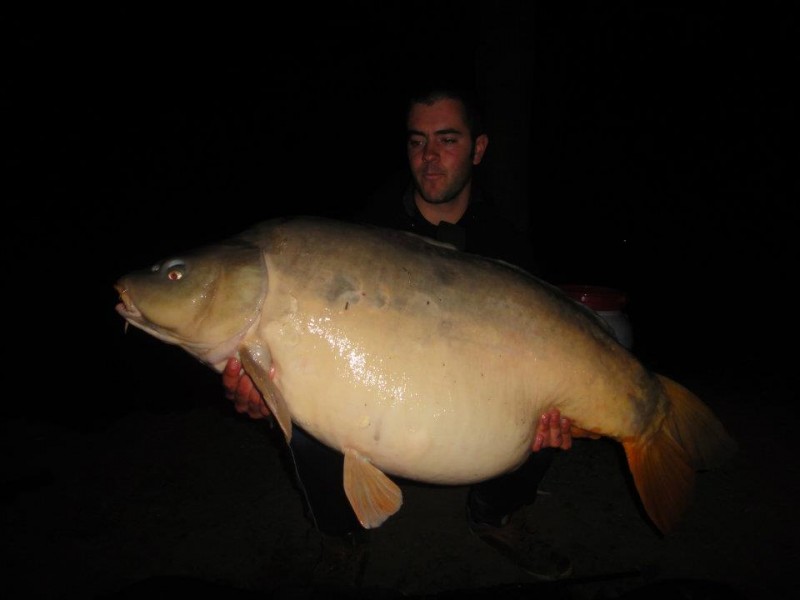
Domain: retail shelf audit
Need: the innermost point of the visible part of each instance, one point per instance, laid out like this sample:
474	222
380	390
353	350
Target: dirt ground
195	498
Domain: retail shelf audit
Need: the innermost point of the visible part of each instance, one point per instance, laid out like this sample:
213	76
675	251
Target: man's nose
430	153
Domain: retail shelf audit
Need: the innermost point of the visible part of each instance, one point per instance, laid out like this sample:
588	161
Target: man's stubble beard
449	194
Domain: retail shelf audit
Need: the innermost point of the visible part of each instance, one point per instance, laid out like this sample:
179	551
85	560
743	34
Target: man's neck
451	211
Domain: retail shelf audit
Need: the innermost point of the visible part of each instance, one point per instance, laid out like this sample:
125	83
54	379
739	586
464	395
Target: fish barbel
419	361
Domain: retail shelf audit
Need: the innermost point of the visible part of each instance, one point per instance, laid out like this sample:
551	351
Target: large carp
419	361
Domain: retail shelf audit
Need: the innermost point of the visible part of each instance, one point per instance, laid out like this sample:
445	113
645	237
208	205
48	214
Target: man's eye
449	140
414	143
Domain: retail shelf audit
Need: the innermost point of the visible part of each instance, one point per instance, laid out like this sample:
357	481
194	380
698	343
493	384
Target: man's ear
480	147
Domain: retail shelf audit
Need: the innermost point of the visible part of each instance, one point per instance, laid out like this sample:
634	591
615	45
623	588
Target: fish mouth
133	316
125	307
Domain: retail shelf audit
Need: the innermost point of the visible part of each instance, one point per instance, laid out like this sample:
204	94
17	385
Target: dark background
649	148
652	148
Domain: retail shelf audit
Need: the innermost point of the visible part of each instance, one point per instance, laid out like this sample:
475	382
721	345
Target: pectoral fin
373	496
257	364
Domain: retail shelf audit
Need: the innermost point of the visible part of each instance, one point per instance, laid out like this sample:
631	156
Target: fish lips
125	307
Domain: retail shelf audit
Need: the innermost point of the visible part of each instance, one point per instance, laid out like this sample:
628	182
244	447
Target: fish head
204	300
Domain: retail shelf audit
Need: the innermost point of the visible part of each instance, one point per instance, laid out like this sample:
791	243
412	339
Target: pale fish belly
395	356
414	405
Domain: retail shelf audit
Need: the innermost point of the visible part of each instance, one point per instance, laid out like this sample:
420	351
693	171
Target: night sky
651	149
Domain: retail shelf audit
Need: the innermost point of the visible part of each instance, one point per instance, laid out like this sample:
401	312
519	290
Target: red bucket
596	297
606	302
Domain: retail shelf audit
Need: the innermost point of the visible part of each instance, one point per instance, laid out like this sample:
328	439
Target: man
445	141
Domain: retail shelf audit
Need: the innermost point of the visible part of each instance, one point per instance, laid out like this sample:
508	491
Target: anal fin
373	496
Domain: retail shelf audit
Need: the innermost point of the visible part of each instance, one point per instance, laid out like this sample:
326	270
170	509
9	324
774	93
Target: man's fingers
555	428
257	402
566	433
248	394
242	391
230	377
552	431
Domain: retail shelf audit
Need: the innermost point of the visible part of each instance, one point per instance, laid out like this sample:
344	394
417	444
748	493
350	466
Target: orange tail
691	438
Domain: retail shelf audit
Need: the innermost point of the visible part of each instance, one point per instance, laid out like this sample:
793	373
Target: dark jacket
482	230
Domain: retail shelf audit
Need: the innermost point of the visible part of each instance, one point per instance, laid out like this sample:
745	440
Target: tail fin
691	438
695	428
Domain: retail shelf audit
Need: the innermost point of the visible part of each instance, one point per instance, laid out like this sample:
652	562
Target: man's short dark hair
473	116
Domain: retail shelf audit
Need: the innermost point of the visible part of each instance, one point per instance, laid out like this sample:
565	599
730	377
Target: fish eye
174	269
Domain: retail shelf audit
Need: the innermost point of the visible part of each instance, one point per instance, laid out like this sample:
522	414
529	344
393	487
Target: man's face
440	150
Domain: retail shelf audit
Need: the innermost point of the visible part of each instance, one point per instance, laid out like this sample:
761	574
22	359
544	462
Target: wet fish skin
419	361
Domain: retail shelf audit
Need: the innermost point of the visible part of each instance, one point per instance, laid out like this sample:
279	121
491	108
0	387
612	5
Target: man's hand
240	388
551	432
